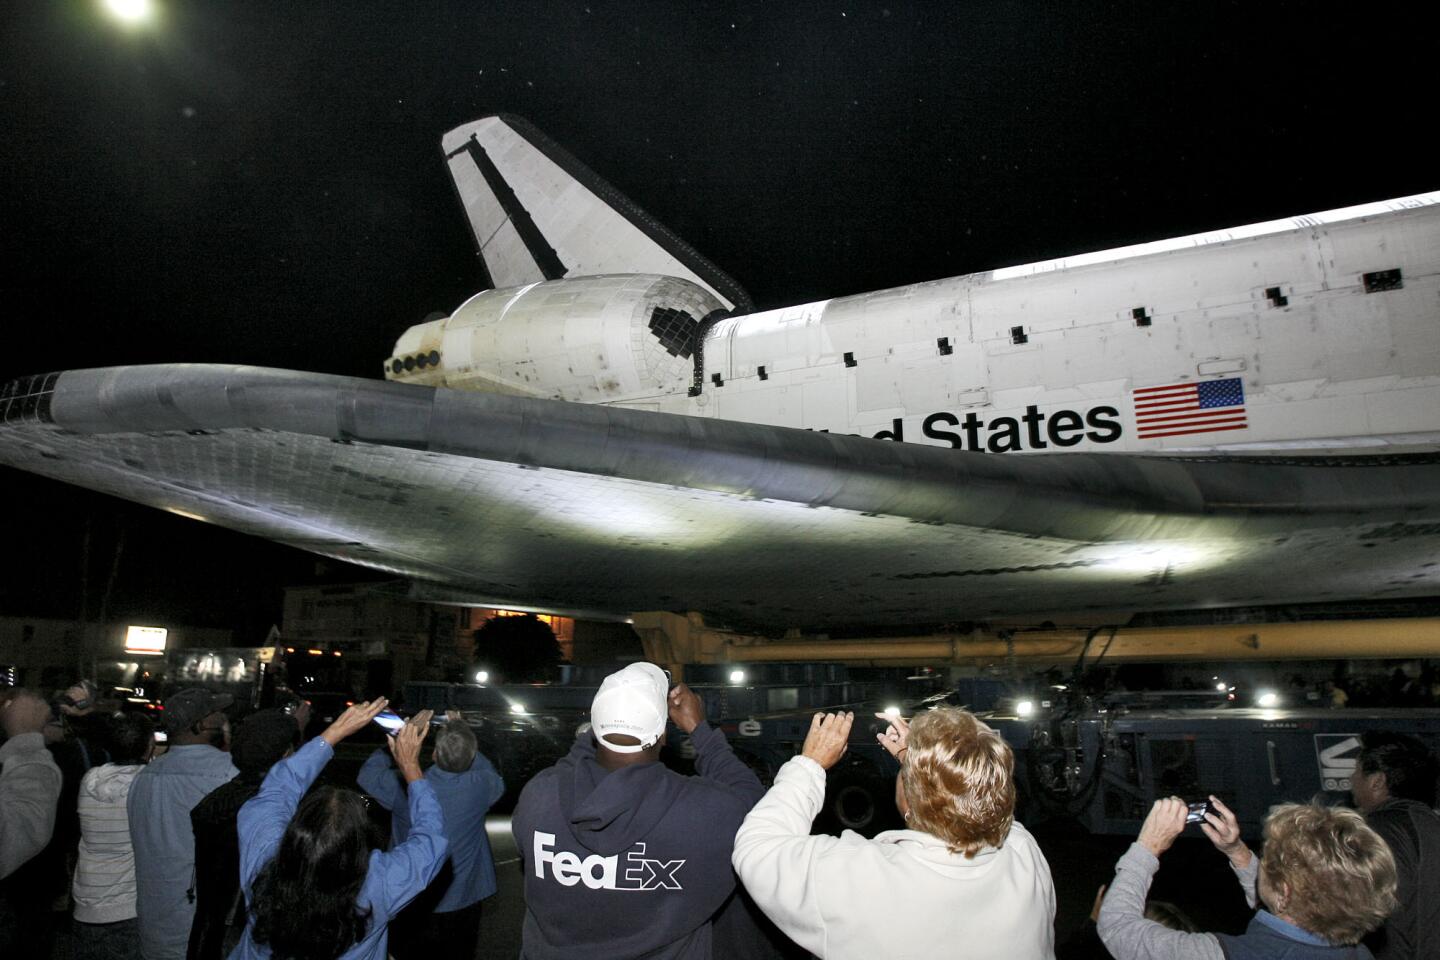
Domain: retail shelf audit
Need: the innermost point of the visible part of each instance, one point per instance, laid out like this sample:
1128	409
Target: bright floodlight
892	711
737	676
1268	698
1221	686
1025	707
147	640
517	708
481	676
130	11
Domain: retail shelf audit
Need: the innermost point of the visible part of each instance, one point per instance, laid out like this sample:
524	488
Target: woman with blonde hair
962	878
1325	879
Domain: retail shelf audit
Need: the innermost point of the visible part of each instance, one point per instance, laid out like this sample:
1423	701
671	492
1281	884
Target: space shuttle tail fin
539	214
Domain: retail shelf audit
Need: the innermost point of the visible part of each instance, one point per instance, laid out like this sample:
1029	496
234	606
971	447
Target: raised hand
828	738
1224	831
686	708
895	737
1165	822
405	745
353	719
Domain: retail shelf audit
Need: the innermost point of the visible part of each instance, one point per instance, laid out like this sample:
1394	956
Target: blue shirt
1288	930
391	879
161	799
465	798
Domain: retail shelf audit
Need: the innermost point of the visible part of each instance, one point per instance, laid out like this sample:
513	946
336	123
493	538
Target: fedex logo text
604	873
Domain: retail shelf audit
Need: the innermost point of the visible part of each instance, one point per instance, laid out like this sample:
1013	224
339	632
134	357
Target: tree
518	649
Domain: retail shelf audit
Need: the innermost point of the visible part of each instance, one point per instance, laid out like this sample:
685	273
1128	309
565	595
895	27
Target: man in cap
161	798
624	857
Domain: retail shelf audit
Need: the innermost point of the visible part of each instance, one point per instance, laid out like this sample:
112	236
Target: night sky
262	183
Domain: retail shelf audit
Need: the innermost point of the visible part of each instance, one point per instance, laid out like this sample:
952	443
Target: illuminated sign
145	639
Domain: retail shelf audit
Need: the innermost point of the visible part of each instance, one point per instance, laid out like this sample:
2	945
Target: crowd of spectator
219	843
211	842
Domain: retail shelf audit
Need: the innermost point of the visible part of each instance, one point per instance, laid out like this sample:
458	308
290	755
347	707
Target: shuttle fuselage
1318	334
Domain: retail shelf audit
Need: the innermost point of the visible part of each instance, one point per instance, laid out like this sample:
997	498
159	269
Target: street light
130	11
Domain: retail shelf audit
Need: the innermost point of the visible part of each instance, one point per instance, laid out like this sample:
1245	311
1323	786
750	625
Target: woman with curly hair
963	880
316	884
1325	879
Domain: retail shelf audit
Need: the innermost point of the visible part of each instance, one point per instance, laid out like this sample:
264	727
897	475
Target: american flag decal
1177	409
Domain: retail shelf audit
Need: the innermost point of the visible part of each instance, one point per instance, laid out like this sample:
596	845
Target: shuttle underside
599	510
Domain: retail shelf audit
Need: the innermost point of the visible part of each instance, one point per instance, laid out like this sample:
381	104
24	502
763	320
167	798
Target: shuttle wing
593	509
538	214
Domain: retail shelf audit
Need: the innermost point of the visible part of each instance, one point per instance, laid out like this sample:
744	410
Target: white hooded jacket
104	886
900	895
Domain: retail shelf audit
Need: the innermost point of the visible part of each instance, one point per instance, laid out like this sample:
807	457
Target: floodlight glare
147	640
517	708
737	676
892	711
1025	707
481	676
1268	698
130	11
1221	686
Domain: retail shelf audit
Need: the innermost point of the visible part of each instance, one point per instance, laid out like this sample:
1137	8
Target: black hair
1409	767
303	902
128	737
1168	915
262	740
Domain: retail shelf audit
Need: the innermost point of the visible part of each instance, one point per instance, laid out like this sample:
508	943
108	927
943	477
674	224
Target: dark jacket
217	868
632	862
1412	831
1267	941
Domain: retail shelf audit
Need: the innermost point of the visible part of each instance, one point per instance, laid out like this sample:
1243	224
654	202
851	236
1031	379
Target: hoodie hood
109	783
610	810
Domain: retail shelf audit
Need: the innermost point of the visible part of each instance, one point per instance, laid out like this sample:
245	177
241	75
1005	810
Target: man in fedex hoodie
624	857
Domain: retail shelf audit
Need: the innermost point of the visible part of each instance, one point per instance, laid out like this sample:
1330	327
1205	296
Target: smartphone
1197	810
389	722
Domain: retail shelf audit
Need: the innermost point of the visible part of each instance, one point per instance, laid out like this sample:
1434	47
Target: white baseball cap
631	701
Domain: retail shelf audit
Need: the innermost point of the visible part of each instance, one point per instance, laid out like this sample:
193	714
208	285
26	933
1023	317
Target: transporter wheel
854	806
857	798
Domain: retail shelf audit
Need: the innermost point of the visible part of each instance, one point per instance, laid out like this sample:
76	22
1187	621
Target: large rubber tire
857	798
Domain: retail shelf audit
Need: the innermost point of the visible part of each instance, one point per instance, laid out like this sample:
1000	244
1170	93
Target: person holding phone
447	914
1324	881
623	857
315	882
963	879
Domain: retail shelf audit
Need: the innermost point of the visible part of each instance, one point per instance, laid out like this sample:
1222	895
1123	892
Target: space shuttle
1238	418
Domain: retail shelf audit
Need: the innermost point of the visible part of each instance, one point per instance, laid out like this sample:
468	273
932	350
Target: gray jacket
1129	936
29	793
